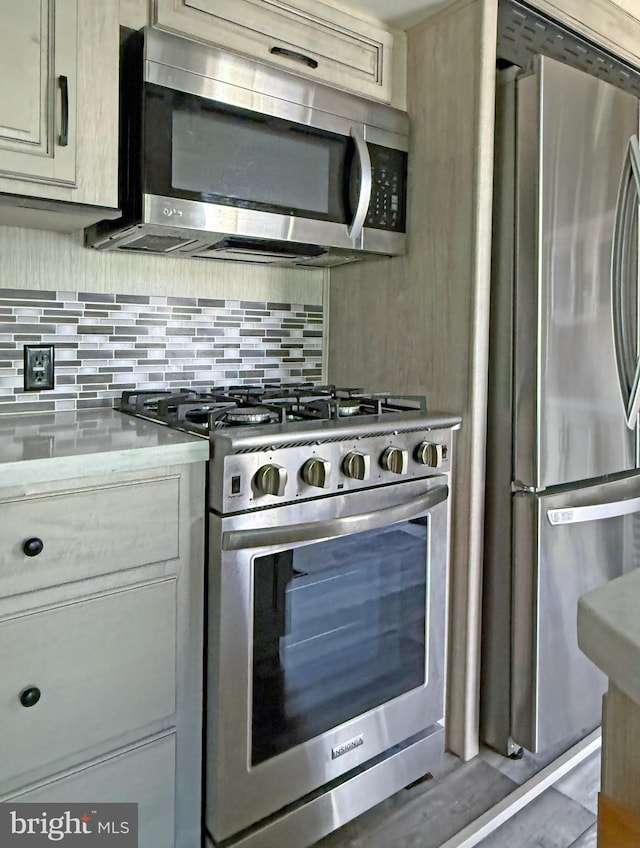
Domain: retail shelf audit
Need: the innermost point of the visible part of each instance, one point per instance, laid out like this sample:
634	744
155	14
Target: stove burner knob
431	454
271	480
316	472
395	460
357	466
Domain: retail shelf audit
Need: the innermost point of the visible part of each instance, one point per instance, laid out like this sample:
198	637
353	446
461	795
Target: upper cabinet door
303	36
38	58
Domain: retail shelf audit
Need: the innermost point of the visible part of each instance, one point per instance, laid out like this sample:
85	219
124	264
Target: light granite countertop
609	631
59	445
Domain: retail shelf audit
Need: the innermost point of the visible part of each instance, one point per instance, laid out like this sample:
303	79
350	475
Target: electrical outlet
39	367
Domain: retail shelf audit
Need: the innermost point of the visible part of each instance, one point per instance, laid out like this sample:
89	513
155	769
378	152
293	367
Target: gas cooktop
285	443
205	410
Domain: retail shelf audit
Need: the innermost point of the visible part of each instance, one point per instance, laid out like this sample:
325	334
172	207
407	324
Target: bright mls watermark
68	825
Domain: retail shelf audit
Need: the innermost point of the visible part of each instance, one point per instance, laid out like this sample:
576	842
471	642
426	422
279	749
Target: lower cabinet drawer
74	677
144	776
71	535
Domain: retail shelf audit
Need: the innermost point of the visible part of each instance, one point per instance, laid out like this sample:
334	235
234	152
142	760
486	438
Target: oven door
325	642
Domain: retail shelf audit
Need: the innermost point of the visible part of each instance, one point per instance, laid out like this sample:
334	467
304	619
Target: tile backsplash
107	343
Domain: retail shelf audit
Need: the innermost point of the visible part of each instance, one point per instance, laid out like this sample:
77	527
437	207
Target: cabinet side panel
98	62
419	324
495	707
621	749
189	644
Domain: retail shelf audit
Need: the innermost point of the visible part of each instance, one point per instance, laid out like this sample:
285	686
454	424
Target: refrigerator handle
593	512
627	358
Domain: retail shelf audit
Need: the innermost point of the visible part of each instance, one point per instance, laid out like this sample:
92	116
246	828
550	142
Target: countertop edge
606	634
49	469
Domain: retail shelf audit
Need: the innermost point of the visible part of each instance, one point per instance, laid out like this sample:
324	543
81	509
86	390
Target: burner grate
207	409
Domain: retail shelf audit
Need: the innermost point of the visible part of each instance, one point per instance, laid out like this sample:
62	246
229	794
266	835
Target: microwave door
200	150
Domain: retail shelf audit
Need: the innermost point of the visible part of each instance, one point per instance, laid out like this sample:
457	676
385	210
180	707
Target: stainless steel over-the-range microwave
226	157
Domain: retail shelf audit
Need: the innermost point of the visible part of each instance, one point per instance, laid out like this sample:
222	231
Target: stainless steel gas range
327	565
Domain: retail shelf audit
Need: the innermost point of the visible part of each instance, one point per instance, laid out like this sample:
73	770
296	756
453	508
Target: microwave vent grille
157	244
241	256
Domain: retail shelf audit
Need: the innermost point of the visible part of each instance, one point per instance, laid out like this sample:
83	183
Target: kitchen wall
121	321
421	321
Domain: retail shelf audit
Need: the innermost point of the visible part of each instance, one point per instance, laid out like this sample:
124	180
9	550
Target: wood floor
434	811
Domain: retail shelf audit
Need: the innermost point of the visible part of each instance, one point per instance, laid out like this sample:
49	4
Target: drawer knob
30	696
33	547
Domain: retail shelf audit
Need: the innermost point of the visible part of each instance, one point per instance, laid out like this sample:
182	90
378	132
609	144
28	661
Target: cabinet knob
30	696
33	547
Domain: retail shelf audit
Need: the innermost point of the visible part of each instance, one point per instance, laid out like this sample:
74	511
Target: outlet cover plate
39	367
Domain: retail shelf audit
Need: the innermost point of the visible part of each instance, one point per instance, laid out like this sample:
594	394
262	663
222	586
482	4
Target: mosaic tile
106	343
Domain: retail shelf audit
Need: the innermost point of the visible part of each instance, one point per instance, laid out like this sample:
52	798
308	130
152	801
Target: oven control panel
264	478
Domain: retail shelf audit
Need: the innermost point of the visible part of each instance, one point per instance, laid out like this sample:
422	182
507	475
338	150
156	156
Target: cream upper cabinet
58	111
38	95
613	24
305	36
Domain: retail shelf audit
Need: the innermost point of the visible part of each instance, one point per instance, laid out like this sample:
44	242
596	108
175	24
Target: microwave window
233	156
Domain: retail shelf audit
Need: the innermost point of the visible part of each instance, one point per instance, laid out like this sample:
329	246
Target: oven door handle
314	531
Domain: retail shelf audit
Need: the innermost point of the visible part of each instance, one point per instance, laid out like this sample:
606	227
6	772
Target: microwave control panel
387	210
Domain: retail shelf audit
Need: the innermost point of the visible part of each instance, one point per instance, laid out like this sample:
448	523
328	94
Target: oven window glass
339	628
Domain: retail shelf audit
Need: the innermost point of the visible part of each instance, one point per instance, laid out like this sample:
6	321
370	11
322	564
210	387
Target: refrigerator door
565	544
569	416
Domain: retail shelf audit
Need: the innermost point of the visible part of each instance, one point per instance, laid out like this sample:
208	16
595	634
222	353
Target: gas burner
348	407
249	415
199	414
334	407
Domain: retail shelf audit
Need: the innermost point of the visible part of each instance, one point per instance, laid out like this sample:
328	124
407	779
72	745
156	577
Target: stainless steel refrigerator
563	460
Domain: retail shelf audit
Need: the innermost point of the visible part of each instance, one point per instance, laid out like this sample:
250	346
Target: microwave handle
315	531
362	152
